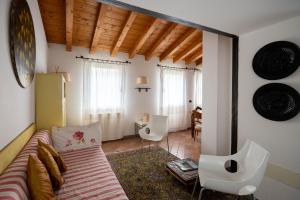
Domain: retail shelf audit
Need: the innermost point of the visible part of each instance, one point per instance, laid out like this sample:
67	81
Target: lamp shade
141	80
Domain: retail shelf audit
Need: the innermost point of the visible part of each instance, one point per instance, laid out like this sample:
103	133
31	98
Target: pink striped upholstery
89	176
13	181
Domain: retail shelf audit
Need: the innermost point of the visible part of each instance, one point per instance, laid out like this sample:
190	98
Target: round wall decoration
277	101
276	60
22	42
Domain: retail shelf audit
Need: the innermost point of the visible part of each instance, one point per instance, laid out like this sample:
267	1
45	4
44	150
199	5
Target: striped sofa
89	175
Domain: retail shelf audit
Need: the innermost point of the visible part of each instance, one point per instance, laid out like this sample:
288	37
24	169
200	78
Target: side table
187	177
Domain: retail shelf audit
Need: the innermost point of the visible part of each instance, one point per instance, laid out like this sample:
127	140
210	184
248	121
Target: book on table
186	164
186	177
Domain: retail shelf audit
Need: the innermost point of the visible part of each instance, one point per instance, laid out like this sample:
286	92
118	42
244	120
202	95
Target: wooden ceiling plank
165	36
188	51
69	23
194	57
199	61
181	41
98	28
144	37
125	29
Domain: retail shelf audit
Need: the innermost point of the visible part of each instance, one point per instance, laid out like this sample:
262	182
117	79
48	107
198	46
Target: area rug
143	176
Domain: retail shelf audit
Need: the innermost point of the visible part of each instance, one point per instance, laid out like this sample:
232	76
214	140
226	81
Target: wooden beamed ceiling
100	27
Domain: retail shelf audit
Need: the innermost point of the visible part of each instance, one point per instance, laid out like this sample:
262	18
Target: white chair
251	161
158	126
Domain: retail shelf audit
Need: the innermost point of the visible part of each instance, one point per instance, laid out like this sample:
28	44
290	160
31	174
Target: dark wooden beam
199	61
188	51
234	109
190	33
98	28
164	37
69	24
127	25
197	55
144	37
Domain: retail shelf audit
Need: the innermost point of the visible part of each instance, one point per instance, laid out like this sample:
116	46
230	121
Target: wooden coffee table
187	178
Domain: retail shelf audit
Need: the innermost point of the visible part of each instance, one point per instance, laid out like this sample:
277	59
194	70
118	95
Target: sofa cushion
13	180
76	137
57	157
38	179
51	166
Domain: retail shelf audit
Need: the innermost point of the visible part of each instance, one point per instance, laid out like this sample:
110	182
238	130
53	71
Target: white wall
210	93
17	104
280	138
224	95
136	103
215	136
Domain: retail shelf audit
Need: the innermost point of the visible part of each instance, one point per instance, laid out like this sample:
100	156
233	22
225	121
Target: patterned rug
143	177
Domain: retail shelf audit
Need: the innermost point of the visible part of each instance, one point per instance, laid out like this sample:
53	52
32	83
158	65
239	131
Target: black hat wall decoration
276	101
276	60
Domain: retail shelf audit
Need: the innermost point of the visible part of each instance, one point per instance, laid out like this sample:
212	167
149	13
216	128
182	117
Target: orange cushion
58	159
53	170
38	180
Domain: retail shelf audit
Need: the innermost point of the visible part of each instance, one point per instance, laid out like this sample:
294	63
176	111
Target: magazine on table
186	164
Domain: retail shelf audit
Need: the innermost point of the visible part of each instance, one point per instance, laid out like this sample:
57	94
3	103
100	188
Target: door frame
235	57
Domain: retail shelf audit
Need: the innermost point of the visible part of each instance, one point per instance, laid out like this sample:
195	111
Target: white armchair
158	126
251	161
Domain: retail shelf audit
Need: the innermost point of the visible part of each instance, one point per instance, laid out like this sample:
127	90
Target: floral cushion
76	137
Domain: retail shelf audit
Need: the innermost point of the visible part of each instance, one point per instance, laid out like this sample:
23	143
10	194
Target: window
197	89
173	98
103	88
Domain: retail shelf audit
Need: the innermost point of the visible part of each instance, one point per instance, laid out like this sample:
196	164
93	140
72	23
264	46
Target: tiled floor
181	145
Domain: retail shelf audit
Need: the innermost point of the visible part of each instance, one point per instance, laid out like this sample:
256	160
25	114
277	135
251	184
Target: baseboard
130	136
284	175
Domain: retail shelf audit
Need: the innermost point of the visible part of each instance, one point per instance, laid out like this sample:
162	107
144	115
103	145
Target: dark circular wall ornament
276	60
277	101
22	42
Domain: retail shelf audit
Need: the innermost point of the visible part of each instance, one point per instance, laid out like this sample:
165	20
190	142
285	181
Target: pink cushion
13	181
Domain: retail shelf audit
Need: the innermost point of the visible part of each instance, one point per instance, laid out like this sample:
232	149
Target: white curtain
197	89
103	94
173	102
